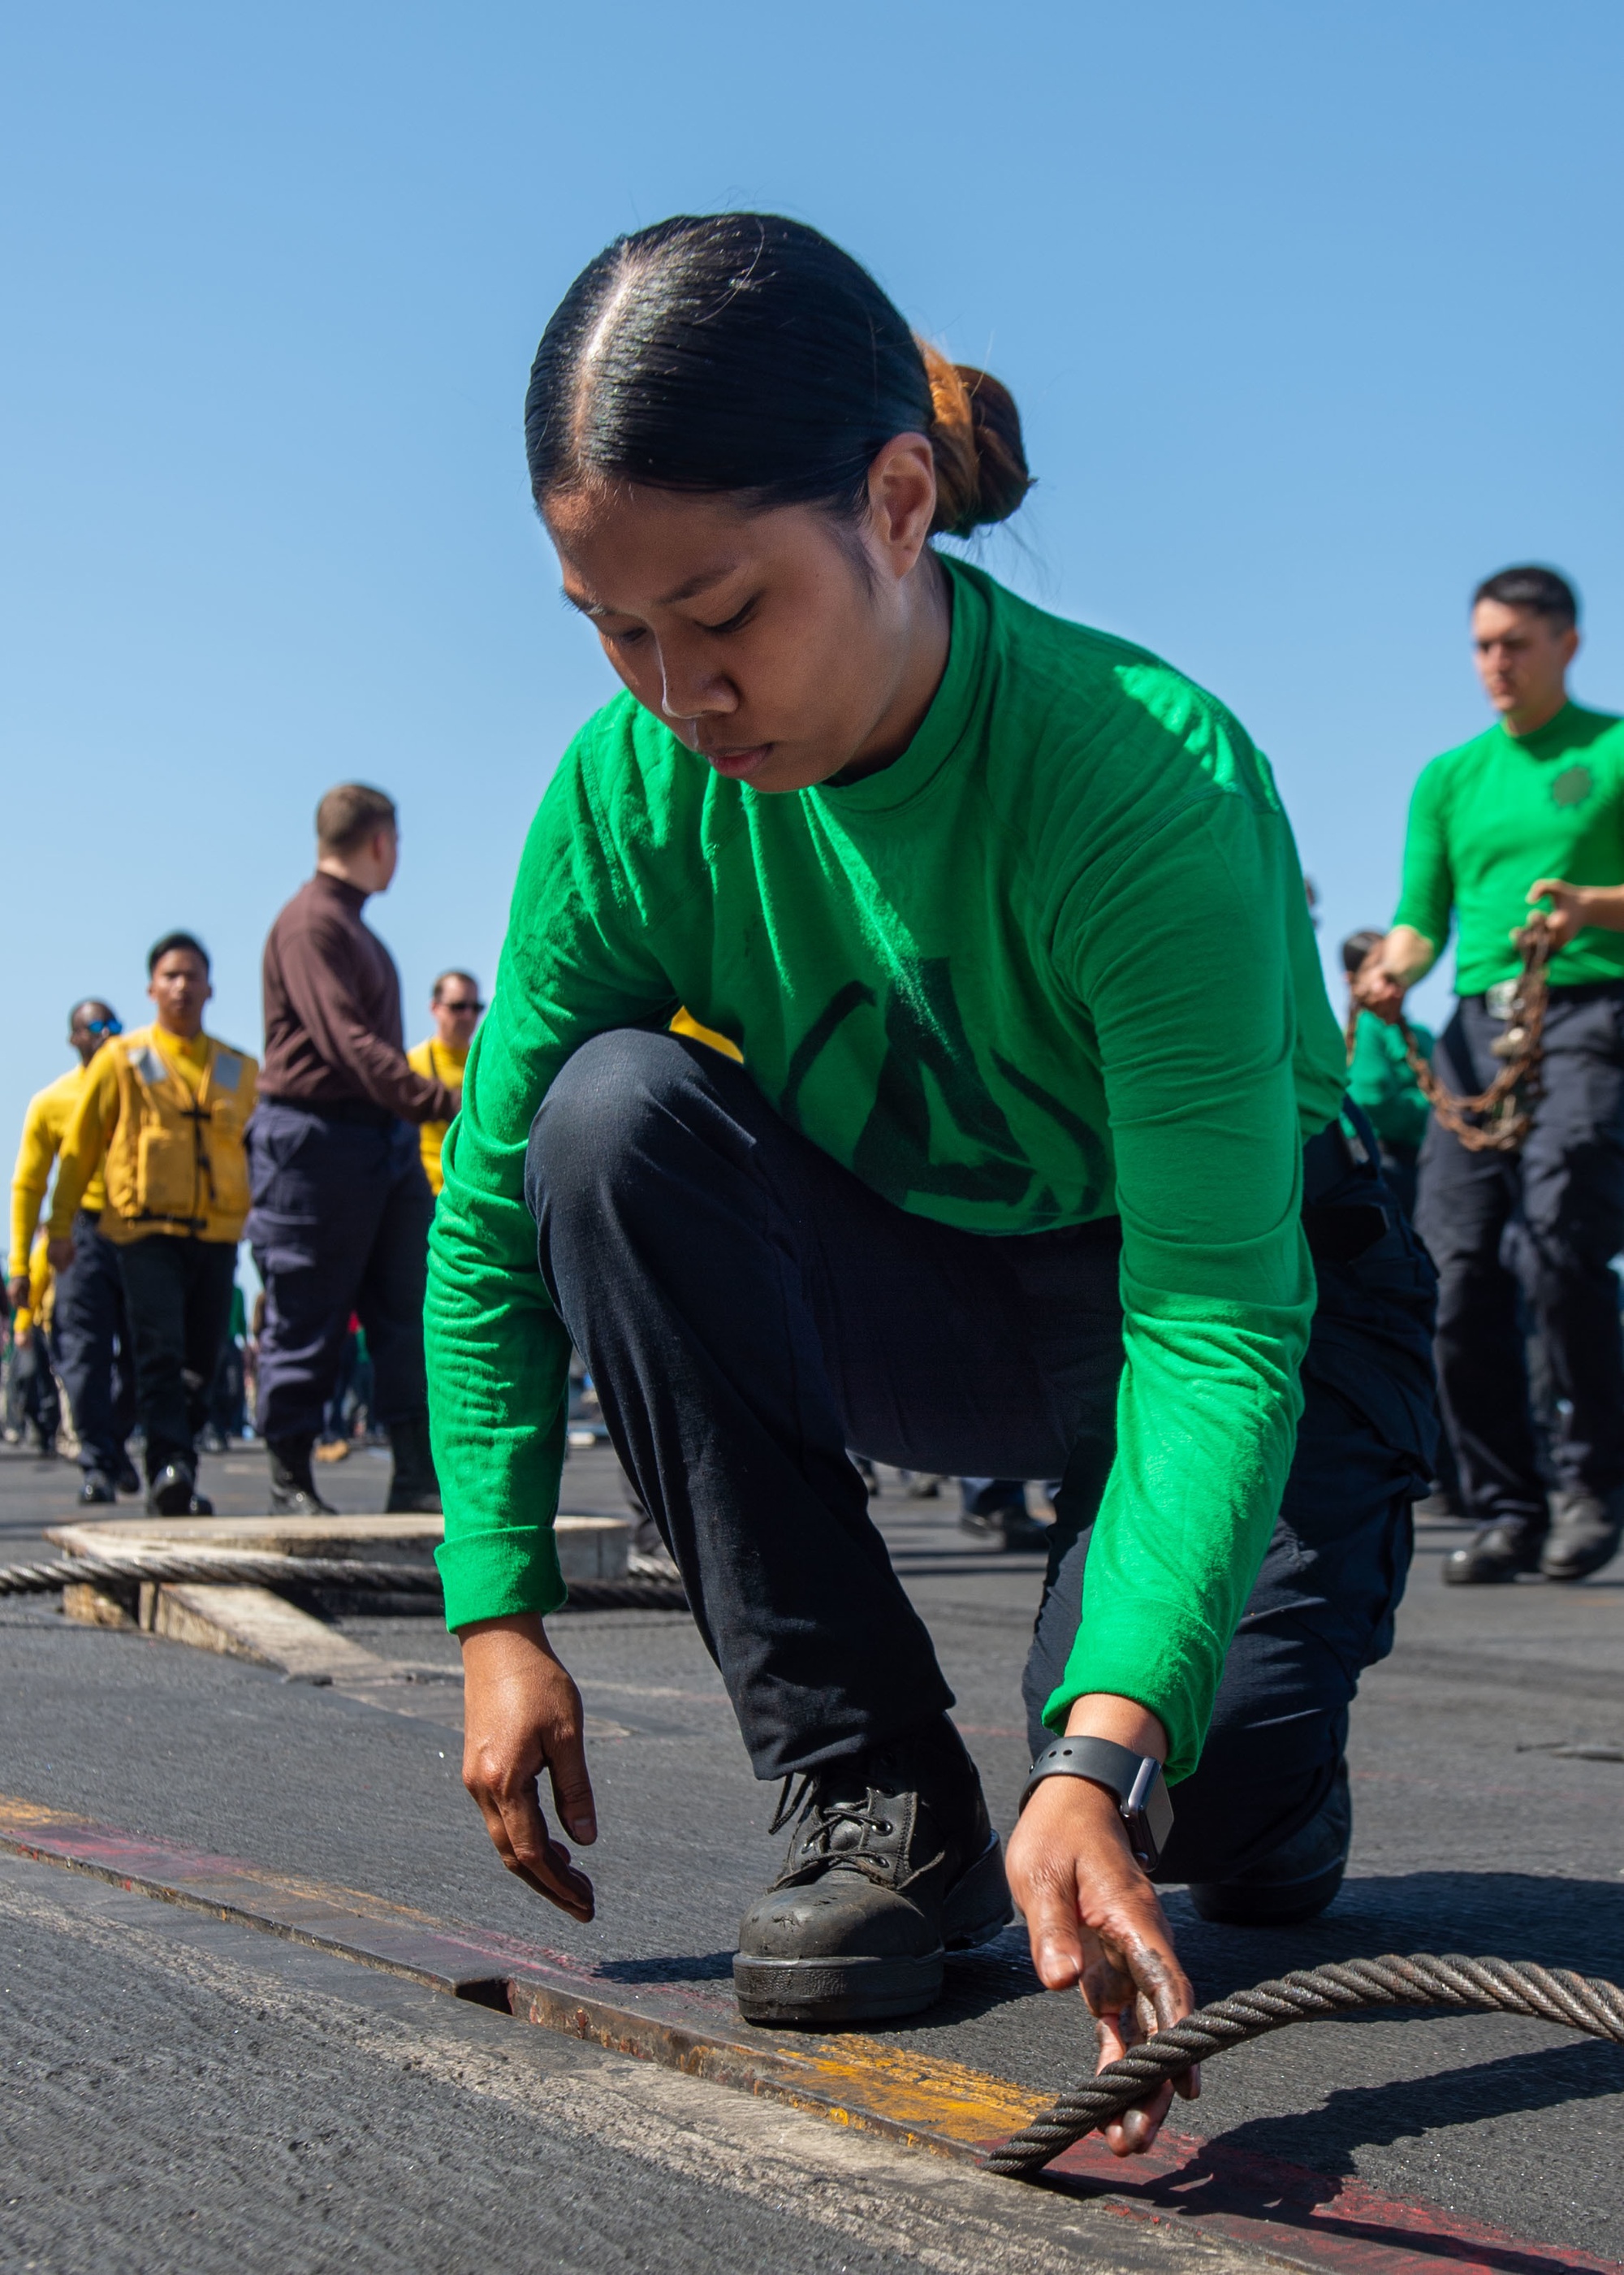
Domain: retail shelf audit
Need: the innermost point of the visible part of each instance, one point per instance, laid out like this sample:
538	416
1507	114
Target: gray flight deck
186	2094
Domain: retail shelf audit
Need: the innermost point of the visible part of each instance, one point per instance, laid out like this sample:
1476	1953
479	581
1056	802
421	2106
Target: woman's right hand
521	1714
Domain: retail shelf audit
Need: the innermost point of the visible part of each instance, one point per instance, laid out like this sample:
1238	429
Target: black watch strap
1135	1780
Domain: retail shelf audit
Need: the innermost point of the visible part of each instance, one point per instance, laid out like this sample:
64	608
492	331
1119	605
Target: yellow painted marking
15	1811
912	2088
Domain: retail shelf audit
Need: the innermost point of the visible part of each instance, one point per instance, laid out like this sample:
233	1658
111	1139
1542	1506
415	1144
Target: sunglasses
447	1003
104	1026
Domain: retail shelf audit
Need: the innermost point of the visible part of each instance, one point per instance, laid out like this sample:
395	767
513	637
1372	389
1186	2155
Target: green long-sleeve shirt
1053	963
1488	820
1381	1080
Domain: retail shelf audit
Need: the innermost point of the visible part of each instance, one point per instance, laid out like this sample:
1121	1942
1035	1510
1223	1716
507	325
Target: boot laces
869	1813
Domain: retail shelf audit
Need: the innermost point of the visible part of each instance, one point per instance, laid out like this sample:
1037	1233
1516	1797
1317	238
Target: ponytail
976	441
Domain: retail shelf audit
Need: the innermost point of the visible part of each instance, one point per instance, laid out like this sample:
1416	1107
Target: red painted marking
1336	2221
1325	2220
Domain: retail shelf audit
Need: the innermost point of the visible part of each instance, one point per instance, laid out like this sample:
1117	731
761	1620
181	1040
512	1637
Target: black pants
178	1299
1398	1170
228	1396
90	1342
1532	1236
748	1310
340	1227
31	1397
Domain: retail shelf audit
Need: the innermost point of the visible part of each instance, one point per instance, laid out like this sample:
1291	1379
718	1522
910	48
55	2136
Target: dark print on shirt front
925	1037
1573	786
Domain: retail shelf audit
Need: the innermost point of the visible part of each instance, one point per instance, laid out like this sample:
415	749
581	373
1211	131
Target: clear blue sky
1313	313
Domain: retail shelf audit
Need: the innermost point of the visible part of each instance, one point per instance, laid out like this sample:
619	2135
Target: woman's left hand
1095	1921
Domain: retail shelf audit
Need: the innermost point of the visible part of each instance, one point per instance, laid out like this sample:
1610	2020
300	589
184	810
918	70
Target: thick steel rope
1510	1099
240	1566
1314	1994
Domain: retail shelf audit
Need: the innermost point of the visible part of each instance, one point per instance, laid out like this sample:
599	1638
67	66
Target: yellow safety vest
176	1162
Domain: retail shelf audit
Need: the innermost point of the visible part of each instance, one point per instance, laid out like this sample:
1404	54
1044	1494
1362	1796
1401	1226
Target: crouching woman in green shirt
1003	1185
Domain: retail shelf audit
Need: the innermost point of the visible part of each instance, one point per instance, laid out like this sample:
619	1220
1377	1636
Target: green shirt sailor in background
1003	1186
1381	1079
1529	815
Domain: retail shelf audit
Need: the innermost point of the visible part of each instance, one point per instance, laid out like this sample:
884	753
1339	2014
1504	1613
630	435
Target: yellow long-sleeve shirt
45	1125
42	1293
441	1062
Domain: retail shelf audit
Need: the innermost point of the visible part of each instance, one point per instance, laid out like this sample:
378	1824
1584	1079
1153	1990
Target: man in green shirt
1529	812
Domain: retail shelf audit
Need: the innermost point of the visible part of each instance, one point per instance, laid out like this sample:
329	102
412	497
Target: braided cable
247	1566
1312	1994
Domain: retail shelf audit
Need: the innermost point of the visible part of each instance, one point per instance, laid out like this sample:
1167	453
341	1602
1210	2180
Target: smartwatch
1135	1780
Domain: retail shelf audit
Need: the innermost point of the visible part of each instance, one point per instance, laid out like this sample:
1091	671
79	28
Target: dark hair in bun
744	353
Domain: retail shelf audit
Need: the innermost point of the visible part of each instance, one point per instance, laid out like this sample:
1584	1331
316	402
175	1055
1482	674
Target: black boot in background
414	1488
292	1489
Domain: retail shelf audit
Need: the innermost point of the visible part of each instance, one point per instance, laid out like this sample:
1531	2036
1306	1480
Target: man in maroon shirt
341	1206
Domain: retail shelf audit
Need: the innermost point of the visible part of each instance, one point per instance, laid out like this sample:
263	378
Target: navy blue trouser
178	1299
339	1225
1533	1235
90	1342
748	1310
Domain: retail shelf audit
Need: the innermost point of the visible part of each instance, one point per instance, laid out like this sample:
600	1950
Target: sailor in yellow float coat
162	1114
159	1122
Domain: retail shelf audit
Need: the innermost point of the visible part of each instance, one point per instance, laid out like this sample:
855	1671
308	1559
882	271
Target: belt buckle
1499	998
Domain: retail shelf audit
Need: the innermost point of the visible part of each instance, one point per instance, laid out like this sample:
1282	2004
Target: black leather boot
1585	1532
414	1488
173	1493
292	1488
1511	1545
892	1862
1295	1881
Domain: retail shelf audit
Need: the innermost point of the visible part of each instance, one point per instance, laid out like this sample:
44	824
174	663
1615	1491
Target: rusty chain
1510	1099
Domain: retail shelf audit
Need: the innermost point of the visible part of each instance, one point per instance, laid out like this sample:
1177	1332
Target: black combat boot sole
817	1993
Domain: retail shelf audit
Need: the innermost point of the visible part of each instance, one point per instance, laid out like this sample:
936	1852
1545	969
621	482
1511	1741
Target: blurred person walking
89	1337
995	1509
1381	1079
32	1400
161	1118
455	1009
1531	810
339	1224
